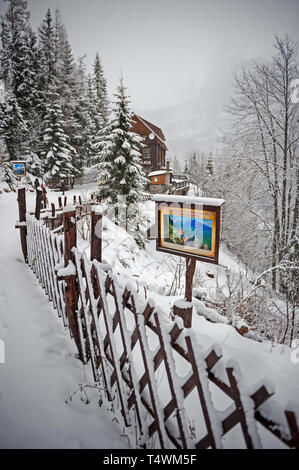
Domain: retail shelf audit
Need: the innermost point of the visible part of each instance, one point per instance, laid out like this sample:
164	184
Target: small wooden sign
189	227
19	168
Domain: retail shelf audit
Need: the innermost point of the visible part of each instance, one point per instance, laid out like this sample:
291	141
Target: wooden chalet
153	154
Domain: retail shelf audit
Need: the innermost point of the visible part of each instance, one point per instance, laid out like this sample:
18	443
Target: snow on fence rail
167	387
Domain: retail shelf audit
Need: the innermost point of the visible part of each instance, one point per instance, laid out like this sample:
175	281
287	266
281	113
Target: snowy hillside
40	355
153	274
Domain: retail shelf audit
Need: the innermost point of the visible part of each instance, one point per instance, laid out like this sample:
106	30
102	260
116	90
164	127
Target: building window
146	154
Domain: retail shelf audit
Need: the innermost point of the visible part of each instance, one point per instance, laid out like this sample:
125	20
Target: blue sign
19	169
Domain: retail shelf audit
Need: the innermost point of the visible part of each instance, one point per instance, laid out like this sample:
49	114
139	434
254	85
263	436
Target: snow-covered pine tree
90	101
69	93
210	166
100	108
100	93
13	127
15	27
197	173
59	87
84	133
19	72
176	166
120	169
47	57
57	153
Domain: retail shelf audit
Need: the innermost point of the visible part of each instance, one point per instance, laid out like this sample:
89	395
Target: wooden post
96	233
186	313
53	216
190	270
65	201
22	219
74	199
38	202
71	290
59	202
80	200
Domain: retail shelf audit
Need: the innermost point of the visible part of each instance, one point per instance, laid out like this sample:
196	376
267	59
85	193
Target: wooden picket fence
150	367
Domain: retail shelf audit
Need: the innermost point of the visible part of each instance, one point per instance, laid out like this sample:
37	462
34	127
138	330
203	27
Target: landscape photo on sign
189	230
19	169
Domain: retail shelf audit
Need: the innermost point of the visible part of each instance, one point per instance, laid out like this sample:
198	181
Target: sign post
189	227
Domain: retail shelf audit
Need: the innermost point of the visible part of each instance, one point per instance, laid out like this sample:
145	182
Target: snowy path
40	370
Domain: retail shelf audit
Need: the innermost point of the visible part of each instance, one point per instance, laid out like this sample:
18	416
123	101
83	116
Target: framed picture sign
19	168
188	226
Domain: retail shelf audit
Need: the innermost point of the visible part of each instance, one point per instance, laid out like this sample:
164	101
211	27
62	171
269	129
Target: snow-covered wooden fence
45	251
171	392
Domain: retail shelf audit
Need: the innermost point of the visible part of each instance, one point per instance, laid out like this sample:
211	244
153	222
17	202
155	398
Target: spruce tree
13	127
70	97
100	93
57	153
100	110
19	71
47	56
59	97
120	165
210	166
85	128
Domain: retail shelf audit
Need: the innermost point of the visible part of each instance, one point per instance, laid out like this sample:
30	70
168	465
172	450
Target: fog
167	49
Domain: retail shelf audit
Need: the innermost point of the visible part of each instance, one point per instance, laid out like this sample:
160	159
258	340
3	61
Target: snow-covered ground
41	372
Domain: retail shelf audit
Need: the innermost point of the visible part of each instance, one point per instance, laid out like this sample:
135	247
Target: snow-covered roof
154	129
157	130
158	172
180	180
97	209
206	201
69	208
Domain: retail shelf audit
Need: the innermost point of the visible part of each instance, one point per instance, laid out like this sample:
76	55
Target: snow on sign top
98	210
69	208
156	173
206	201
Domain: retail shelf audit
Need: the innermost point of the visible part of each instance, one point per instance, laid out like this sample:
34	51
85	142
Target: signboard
187	229
19	168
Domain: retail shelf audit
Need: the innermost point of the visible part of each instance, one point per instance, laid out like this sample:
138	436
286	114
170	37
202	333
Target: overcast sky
166	48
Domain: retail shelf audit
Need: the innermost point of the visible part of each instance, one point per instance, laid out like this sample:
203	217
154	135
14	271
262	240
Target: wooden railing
167	387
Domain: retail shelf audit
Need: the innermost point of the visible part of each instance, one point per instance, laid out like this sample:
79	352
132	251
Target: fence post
22	219
53	216
38	202
59	202
96	233
71	289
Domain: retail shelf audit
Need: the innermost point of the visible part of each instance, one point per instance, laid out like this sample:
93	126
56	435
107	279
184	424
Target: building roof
158	172
154	129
